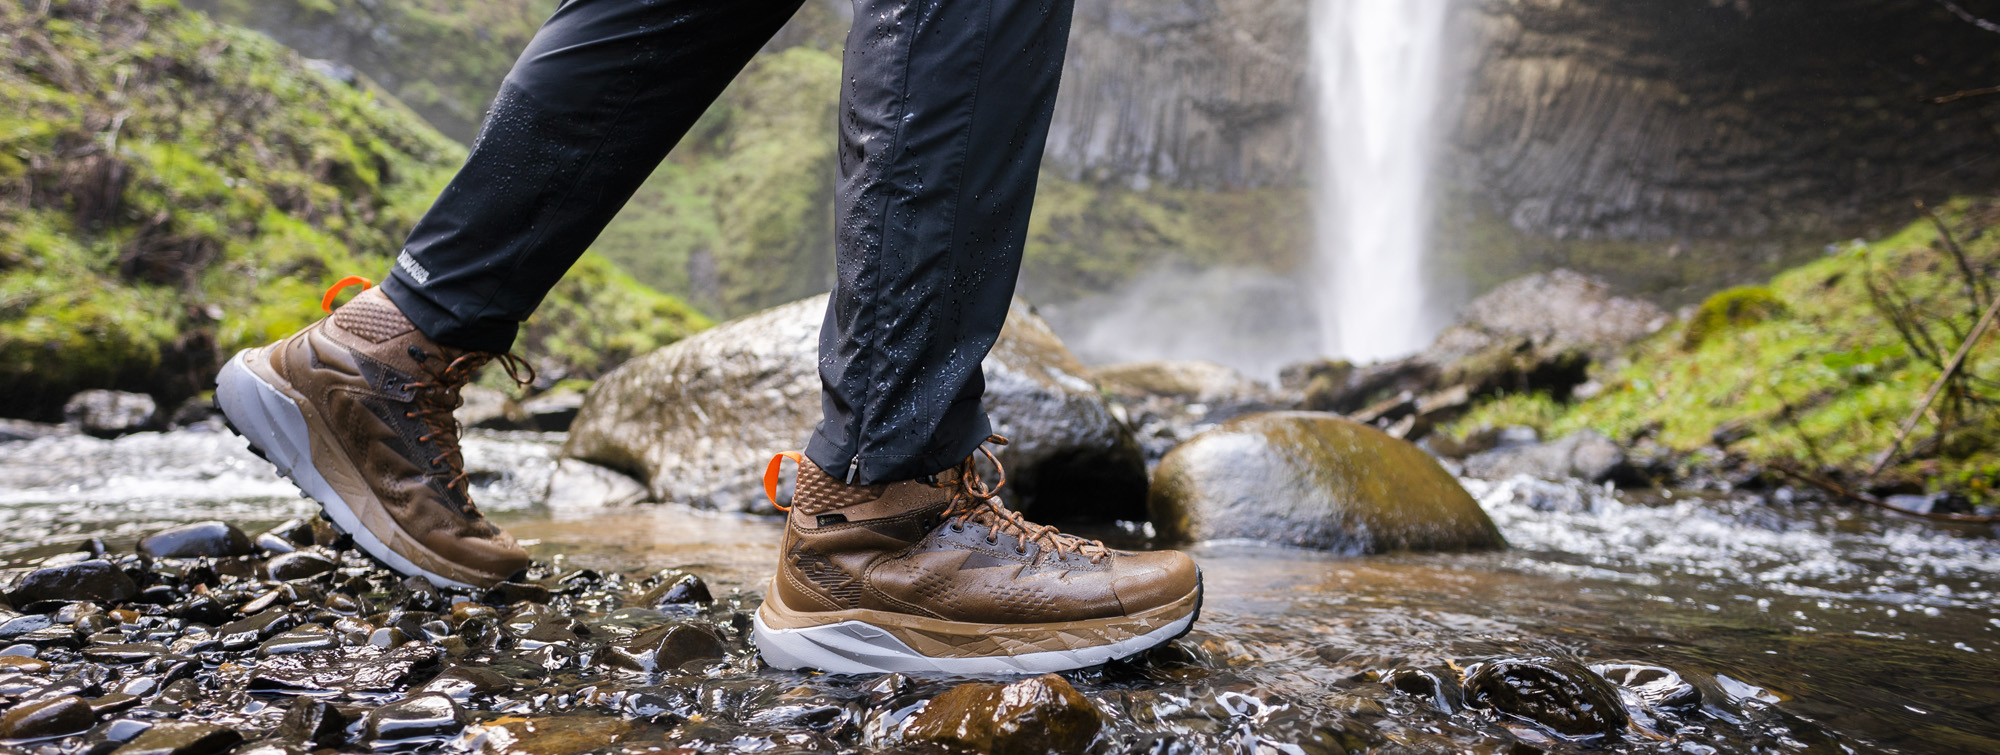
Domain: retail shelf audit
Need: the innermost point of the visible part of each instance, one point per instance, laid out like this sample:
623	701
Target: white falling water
1378	66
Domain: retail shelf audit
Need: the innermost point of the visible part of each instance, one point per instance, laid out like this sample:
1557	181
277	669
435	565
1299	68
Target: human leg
357	408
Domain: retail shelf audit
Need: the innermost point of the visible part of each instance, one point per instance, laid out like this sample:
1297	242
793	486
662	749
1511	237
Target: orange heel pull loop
326	302
772	471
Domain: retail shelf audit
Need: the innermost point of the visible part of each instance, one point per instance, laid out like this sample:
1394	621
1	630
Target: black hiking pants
944	110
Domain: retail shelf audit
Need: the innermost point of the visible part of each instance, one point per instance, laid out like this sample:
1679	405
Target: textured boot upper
387	391
926	549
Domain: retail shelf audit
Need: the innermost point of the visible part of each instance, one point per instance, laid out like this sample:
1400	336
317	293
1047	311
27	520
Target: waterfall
1377	66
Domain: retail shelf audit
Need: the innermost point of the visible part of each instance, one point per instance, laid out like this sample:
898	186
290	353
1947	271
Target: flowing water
1378	68
1805	628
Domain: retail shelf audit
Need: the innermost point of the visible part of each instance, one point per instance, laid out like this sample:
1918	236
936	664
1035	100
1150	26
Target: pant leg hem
441	325
874	469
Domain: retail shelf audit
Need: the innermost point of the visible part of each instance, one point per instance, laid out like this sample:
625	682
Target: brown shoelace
973	500
438	397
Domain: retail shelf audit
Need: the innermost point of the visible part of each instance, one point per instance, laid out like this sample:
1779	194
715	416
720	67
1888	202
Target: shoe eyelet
1019	551
956	527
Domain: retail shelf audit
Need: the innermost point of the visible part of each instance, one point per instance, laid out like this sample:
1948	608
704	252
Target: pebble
197	540
1029	717
92	579
667	647
1560	695
677	588
50	718
182	738
311	721
413	722
303	564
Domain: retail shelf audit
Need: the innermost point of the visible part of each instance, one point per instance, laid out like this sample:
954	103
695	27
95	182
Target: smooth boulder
699	419
109	414
1314	480
1585	455
1043	714
197	540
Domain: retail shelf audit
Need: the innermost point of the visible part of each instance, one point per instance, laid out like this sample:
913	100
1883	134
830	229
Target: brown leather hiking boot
935	575
357	409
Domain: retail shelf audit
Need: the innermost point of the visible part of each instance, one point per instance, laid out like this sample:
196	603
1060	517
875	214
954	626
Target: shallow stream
1805	628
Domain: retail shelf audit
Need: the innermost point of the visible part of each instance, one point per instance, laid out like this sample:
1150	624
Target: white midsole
272	422
854	647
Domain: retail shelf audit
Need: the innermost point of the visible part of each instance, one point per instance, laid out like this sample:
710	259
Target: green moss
192	189
445	58
1731	309
1834	361
1086	237
740	216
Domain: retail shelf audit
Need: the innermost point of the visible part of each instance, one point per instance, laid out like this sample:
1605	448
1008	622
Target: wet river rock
196	540
1314	480
1558	694
698	419
92	579
1029	717
49	718
182	738
413	722
668	647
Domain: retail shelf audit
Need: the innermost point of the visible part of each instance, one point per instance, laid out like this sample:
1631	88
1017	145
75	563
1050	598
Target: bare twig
1790	416
1837	489
1965	94
1931	395
1966	16
1974	280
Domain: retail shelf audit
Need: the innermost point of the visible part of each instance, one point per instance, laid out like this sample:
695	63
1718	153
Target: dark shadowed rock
1440	691
182	738
197	540
554	411
413	722
1314	480
1029	717
678	588
311	721
303	564
692	417
667	647
1561	695
68	714
94	580
109	414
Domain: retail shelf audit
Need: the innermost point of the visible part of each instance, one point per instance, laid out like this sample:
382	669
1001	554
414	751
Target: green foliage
1086	237
566	336
740	215
444	58
174	189
1835	361
1728	310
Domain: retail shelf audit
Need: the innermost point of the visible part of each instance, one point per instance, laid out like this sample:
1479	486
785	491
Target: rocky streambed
1617	621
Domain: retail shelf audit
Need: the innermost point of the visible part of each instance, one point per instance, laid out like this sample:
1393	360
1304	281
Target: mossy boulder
698	420
1314	480
1731	309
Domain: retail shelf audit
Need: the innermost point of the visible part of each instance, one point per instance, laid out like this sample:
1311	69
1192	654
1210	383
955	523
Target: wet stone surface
318	648
1716	624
